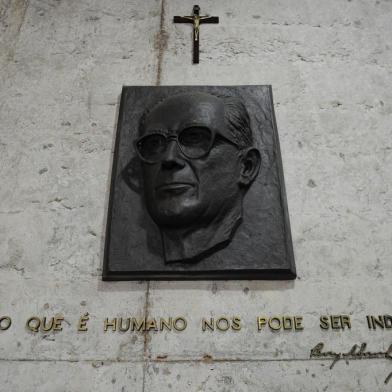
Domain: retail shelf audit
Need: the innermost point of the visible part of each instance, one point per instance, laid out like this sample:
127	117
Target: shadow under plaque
197	188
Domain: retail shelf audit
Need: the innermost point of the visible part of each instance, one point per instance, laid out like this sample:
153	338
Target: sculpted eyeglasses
193	142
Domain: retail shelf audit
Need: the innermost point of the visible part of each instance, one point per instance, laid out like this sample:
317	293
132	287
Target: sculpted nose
173	157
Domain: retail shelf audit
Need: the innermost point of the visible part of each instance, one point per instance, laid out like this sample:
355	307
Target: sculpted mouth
174	187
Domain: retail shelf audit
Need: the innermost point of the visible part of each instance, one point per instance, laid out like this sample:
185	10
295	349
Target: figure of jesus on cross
196	20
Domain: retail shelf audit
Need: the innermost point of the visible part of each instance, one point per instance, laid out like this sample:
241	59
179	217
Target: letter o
270	322
7	323
226	322
181	327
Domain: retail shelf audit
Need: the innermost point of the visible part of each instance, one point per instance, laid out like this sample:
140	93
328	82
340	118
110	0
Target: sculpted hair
238	121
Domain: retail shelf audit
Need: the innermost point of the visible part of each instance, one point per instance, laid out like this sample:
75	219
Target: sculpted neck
187	244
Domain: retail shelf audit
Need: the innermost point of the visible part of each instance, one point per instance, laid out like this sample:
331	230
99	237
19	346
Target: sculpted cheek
225	166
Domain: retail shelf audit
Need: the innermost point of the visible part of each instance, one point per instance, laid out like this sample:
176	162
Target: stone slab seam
17	10
146	336
161	40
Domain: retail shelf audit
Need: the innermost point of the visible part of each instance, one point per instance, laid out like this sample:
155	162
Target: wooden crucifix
196	20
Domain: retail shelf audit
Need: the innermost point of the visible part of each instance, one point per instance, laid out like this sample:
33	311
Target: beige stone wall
62	66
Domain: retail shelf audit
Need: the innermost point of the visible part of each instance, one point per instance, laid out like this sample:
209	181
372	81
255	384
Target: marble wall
62	66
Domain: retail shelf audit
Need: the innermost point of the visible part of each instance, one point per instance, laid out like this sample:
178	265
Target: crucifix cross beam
196	20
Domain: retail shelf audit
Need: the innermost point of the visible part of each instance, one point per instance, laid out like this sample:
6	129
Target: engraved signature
356	352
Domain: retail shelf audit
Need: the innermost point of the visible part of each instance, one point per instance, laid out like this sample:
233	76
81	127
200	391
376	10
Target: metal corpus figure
196	20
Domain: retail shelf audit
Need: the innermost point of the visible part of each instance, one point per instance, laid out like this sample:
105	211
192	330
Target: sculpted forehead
185	110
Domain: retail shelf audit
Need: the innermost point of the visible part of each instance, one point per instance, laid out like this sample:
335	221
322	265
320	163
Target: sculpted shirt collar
192	244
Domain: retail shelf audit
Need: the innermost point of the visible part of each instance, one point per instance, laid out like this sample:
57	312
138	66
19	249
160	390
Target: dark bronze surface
197	187
196	20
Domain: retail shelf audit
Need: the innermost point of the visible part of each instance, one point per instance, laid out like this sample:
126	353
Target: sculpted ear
132	175
250	166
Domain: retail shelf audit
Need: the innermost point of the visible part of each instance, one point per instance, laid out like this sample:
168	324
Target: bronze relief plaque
197	188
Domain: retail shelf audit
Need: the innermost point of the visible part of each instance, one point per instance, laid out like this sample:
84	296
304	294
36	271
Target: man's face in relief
191	164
